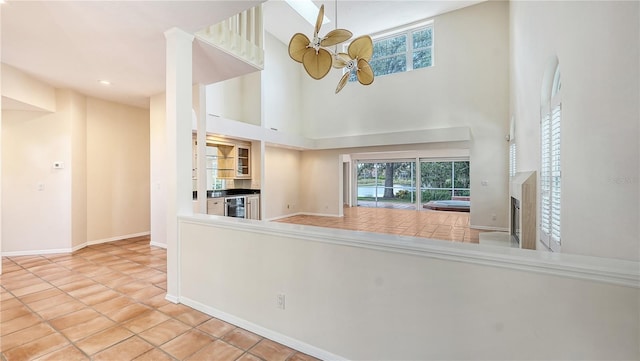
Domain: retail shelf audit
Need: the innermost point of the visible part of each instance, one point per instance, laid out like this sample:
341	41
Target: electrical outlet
280	301
493	216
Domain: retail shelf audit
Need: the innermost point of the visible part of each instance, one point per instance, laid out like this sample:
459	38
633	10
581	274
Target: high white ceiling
359	16
74	44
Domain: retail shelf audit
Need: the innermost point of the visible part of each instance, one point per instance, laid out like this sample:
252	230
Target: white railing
241	35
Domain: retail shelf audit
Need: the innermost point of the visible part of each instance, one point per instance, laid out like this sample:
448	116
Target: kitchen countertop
228	192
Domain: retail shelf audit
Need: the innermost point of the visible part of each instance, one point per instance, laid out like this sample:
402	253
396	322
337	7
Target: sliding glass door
393	183
389	184
443	180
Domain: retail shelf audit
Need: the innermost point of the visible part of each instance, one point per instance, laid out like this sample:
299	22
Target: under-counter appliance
235	207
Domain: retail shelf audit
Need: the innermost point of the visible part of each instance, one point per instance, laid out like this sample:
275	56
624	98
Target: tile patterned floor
106	302
448	226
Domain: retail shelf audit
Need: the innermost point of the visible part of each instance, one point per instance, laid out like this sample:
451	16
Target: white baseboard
262	331
118	238
283	216
74	248
489	228
303	214
172	298
156	244
38	252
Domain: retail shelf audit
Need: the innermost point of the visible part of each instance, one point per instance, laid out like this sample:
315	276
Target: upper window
402	51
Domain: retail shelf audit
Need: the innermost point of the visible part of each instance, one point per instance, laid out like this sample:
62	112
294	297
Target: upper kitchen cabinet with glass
226	159
243	157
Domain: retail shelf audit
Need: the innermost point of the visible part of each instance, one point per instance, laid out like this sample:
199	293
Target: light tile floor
448	226
106	302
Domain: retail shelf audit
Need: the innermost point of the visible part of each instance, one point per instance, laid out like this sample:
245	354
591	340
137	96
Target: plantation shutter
550	177
556	174
545	178
512	159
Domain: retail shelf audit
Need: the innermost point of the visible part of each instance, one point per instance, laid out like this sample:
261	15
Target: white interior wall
281	84
467	86
371	304
237	98
117	171
36	197
600	115
281	192
158	169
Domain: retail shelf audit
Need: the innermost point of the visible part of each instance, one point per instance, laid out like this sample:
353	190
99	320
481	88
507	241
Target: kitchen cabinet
242	162
253	206
226	161
215	206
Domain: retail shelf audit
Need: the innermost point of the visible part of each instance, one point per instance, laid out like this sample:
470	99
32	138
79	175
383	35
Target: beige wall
281	191
36	198
117	170
321	173
101	192
78	119
22	92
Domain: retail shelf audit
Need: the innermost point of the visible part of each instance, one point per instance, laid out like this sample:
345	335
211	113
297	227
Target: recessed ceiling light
103	82
308	10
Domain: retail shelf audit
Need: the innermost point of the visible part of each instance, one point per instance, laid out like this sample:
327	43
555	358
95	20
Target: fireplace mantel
523	188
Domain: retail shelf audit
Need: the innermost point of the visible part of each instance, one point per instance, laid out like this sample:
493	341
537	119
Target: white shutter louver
556	174
512	159
545	178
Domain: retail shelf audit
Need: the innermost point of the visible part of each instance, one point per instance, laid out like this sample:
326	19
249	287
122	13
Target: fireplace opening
515	219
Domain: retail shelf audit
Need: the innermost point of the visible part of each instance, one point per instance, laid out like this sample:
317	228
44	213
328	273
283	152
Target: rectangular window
402	51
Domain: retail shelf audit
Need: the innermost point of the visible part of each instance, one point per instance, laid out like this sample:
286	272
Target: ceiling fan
317	58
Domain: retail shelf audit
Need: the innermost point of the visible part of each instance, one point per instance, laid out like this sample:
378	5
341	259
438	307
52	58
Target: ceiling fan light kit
317	58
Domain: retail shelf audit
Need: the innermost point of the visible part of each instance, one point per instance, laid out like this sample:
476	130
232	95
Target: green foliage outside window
396	54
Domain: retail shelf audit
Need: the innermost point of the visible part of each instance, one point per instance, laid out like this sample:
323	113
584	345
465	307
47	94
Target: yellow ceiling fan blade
361	48
319	20
317	65
340	60
343	81
298	46
336	36
364	73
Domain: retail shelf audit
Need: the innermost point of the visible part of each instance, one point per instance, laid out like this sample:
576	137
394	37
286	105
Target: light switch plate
58	165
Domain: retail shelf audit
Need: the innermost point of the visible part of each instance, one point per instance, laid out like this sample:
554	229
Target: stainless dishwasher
235	206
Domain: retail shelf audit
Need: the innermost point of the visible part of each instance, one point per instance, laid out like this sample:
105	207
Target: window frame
408	32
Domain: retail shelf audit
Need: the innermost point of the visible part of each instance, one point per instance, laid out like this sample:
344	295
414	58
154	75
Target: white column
200	106
0	157
179	110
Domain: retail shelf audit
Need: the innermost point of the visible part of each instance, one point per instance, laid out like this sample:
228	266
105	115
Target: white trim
118	238
44	251
606	270
320	214
304	214
172	298
262	331
284	216
37	252
156	244
490	228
